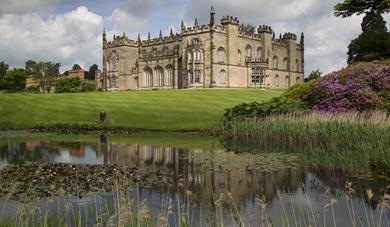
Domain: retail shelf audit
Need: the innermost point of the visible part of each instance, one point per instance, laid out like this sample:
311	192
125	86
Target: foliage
88	86
373	43
302	91
15	80
277	105
3	70
92	72
359	87
68	85
44	72
60	125
314	75
351	7
32	89
76	67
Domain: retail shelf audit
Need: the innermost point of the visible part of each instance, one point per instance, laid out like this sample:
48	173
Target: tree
373	43
351	7
15	79
3	70
76	67
68	85
314	75
43	72
92	72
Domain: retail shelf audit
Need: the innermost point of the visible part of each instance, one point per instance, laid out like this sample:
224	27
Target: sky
69	31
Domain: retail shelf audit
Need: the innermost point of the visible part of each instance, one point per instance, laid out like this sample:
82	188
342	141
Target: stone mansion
229	55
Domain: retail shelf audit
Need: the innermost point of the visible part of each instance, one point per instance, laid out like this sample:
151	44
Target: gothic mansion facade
229	55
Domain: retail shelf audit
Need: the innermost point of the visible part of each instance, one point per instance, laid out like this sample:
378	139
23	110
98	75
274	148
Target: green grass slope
159	110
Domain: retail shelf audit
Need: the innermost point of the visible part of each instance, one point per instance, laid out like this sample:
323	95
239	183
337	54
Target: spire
280	35
273	35
148	35
160	34
212	16
182	26
196	22
139	39
302	39
171	33
124	34
104	36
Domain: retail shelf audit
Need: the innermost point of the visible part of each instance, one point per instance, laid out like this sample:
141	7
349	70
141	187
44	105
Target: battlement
195	29
290	35
120	41
264	29
230	20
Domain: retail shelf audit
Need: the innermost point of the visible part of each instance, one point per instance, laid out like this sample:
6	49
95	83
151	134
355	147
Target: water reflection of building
199	170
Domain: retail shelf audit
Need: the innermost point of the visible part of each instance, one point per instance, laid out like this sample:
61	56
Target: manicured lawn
163	110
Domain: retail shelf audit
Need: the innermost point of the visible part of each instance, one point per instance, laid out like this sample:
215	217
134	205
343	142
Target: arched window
159	77
148	77
275	62
220	55
287	82
248	51
222	76
285	63
190	77
277	81
113	82
189	57
239	57
197	76
258	53
197	56
297	80
113	62
169	75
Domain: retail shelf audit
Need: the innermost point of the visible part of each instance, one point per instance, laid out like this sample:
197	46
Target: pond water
211	184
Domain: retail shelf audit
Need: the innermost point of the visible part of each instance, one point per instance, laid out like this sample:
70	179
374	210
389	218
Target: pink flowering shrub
359	87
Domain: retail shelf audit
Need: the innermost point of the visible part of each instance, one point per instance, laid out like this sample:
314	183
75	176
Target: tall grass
350	141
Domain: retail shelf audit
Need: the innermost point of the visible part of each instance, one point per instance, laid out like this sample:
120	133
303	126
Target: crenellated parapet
265	29
290	35
230	20
118	41
195	29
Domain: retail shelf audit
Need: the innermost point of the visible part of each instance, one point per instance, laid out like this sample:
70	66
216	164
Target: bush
14	80
68	85
302	91
58	125
359	87
88	86
278	105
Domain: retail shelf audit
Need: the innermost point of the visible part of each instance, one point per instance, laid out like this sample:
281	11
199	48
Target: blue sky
69	31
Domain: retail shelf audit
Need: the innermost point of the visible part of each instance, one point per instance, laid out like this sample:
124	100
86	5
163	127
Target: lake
199	181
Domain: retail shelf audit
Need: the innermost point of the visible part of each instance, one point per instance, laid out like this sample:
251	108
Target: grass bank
355	142
151	110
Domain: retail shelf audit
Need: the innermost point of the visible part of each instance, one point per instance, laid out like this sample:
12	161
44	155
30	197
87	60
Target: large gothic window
197	76
190	77
287	82
169	75
221	55
148	77
256	76
197	56
113	82
159	77
113	62
222	76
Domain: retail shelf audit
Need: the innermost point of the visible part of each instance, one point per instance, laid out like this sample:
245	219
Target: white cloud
121	21
27	6
73	37
141	7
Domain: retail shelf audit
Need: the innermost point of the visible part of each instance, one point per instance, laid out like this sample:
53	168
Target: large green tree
92	72
43	72
374	42
351	7
76	67
15	80
3	70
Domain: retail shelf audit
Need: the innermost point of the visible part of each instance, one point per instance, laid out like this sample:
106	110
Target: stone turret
302	40
290	35
230	20
266	33
212	17
264	29
104	37
183	27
